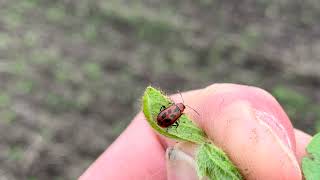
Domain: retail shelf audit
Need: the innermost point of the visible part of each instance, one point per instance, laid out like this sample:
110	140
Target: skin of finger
302	140
136	154
107	166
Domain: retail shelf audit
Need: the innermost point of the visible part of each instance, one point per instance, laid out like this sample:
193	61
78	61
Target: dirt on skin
72	72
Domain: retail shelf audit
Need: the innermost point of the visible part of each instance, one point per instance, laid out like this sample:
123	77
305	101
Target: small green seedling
311	163
211	161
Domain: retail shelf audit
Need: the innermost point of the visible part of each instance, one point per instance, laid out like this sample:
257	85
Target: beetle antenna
192	109
181	96
186	104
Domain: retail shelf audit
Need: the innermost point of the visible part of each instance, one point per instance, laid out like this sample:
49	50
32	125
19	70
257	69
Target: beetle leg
176	124
162	108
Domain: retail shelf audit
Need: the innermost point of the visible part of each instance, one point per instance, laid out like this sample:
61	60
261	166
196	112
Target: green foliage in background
15	153
293	101
298	106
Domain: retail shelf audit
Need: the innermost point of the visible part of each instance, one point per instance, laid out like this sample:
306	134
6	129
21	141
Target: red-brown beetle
169	116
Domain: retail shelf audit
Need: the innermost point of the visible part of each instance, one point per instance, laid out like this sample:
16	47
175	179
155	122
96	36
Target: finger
136	154
302	140
250	126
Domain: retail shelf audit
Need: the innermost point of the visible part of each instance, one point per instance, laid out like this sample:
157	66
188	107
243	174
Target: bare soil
72	72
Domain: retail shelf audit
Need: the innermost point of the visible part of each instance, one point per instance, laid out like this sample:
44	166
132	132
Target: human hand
246	122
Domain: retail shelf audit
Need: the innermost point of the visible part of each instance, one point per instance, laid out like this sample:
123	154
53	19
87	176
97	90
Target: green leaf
214	163
311	163
153	99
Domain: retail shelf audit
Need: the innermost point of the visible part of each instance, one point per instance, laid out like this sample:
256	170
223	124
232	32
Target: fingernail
279	133
271	122
180	165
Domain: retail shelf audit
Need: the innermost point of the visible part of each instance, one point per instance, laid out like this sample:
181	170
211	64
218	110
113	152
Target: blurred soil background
72	71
